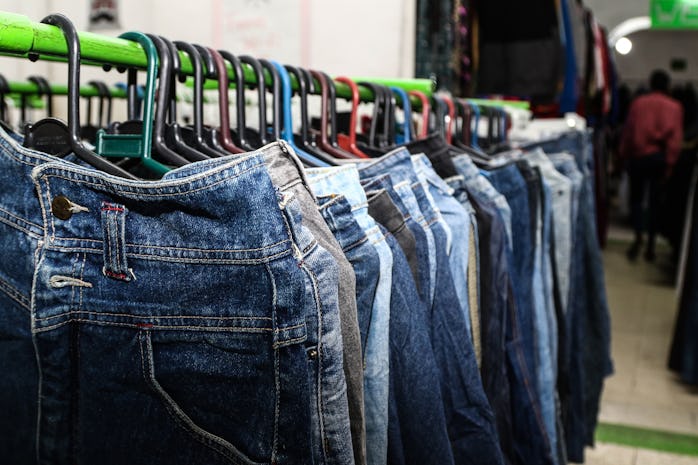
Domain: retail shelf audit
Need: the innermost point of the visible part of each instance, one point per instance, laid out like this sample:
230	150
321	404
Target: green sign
674	14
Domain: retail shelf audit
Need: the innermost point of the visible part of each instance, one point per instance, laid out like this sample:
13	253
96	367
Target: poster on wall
271	29
104	14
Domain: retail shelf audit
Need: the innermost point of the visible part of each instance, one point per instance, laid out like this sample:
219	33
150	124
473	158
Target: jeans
93	329
416	408
645	180
372	288
458	220
420	263
590	301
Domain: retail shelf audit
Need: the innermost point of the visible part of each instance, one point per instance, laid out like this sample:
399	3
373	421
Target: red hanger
323	139
451	117
349	142
226	138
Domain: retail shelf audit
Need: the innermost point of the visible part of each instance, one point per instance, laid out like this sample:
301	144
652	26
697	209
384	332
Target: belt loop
113	229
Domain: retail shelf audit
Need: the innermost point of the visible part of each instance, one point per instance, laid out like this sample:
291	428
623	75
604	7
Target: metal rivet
61	207
312	354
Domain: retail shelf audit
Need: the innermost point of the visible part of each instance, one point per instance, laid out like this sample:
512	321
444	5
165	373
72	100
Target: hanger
349	142
278	94
44	89
305	139
327	139
137	146
451	115
89	131
210	134
172	129
426	109
226	137
194	135
260	138
64	139
375	138
287	129
407	122
160	148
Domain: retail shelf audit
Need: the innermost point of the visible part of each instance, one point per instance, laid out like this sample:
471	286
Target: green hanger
137	145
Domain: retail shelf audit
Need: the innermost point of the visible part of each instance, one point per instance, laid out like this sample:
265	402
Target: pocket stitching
181	419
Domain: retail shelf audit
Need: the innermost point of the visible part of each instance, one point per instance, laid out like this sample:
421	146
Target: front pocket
201	395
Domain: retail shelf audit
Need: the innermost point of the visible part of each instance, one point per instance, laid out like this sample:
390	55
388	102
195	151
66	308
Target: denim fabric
561	188
506	376
589	296
545	326
373	313
174	372
510	183
334	392
416	407
422	277
399	165
479	183
458	220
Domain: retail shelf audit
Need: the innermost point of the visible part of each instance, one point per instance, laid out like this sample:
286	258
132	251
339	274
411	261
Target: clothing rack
34	40
30	88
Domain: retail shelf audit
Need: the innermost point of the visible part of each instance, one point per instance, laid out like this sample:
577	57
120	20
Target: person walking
650	144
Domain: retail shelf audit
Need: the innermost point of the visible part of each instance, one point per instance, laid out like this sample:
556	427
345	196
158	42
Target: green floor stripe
643	438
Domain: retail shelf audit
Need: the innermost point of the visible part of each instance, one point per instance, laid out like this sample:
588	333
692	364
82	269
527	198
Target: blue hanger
287	128
406	135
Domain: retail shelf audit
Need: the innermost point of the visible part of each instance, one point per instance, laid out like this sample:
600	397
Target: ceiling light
623	46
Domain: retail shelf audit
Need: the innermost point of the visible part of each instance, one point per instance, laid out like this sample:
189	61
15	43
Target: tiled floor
643	392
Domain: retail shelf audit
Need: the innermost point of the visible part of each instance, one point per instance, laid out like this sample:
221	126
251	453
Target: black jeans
646	175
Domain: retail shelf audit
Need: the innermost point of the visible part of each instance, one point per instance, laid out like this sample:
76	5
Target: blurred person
650	145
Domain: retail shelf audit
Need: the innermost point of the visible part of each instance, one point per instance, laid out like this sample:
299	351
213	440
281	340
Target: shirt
654	125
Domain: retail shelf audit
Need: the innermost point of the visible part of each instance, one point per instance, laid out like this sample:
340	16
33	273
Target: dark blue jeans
417	431
506	376
131	315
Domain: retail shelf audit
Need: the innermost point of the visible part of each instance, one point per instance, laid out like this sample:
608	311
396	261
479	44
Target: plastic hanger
327	120
89	130
305	139
194	135
375	138
55	129
407	122
261	137
426	109
137	146
44	89
4	90
226	137
165	70
348	142
278	94
172	129
287	129
210	134
450	115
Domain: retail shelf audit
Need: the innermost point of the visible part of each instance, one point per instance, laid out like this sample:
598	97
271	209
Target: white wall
611	13
337	36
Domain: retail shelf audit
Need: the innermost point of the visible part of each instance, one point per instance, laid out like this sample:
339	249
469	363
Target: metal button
61	207
312	354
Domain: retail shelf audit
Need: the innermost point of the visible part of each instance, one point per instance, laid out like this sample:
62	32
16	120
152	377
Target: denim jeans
373	293
121	292
420	263
506	376
589	296
458	220
399	165
416	407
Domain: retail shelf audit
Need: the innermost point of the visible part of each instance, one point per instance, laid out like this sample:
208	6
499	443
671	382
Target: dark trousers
646	175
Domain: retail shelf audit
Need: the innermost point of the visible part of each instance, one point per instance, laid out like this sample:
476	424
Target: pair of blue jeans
372	262
123	302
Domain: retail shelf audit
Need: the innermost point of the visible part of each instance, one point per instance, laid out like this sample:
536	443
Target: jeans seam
16	223
211	329
14	294
181	419
277	384
213	318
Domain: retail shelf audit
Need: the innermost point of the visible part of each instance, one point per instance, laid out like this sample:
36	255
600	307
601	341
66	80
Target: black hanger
4	114
376	137
89	131
210	135
194	135
261	137
44	89
173	131
52	133
276	100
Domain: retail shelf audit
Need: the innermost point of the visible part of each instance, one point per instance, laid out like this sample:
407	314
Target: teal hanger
137	145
